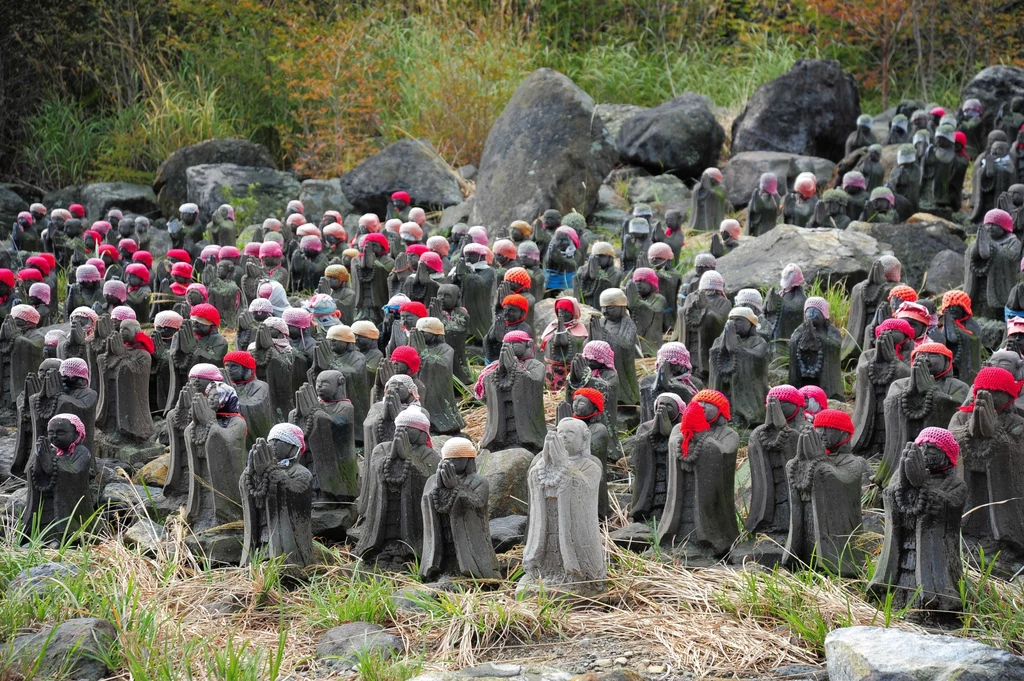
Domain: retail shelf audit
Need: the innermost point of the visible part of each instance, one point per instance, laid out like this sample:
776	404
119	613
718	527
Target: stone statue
870	166
635	243
370	272
700	514
855	187
672	234
830	213
409	313
308	263
647	309
400	392
929	397
138	292
923	505
899	132
989	432
702	262
866	296
876	370
726	239
991	264
940	192
616	328
739	366
456	535
326	418
529	258
703	319
199	378
817	401
561	260
436	371
669	281
772	445
249	320
673	373
651	458
815	350
59	497
994	172
862	136
224	293
564	551
961	333
396	475
477	281
367	337
598	274
21	350
595	368
339	352
253	395
197	341
215	442
456	328
709	202
276	492
561	341
516	281
335	283
785	310
588	406
765	205
881	207
825	497
898	296
905	178
31	426
798	206
513	317
1012	201
275	364
513	388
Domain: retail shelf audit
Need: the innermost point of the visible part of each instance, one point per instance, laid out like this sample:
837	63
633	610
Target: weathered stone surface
680	137
14	507
826	254
318	196
153	473
171	183
10	205
73	649
38	579
219	545
614	115
993	86
411	165
508	532
506	472
145	535
100	197
342	645
610	210
945	272
548	149
879	654
63	197
468	171
661	192
123	494
453	215
635	536
28	192
272	192
809	110
744	170
914	243
492	671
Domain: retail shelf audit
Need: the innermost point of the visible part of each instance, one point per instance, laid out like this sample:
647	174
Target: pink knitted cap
74	367
115	288
650	276
211	251
26	313
673	353
295	316
768	183
122	313
74	421
892	267
787	393
998	216
731	227
168	319
573	236
599	351
86	273
311	243
819	304
40	291
516	337
943	439
479	249
711	281
53	338
271	249
660	251
197	287
705	260
813	392
206	371
290	433
478	235
854	178
792	276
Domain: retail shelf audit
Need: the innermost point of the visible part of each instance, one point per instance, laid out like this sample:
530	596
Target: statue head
906	155
72	228
432	329
188	213
125	227
875	153
710	178
835	428
882	199
286	441
74	373
575	436
448	294
1009	360
25	317
330	386
205	319
552	219
62	432
935	356
603	254
129	329
714	404
1016	192
671	405
613	304
864	124
998	223
587	403
744	321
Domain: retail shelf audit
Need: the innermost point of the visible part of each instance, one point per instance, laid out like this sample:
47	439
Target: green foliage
61	143
246	206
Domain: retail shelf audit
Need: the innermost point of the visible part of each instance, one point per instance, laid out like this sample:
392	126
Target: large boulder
73	649
916	242
41	578
100	197
994	86
506	472
680	137
829	255
661	192
614	115
744	171
10	205
453	215
271	188
809	111
63	197
318	196
879	654
171	183
945	273
344	645
548	149
411	165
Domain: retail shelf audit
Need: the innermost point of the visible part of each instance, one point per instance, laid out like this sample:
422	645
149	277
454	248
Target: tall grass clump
62	142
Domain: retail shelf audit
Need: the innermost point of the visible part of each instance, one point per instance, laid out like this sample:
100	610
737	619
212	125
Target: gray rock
318	196
63	197
10	205
680	137
273	189
411	599
945	273
546	150
827	254
332	522
171	183
468	172
809	111
744	170
614	115
73	649
993	86
14	507
915	243
453	215
100	197
508	532
661	192
798	672
341	646
145	535
36	580
492	671
219	545
635	536
879	654
506	472
123	494
411	165
28	192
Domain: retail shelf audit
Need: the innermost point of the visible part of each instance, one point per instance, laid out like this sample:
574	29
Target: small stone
628	653
75	648
41	577
584	643
644	662
342	645
621	661
655	669
603	662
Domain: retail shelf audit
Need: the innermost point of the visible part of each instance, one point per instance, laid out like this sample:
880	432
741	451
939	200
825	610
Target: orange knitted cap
717	399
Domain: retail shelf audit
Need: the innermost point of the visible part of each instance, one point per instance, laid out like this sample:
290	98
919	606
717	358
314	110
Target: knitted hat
439	245
605	248
145	341
517	337
904	293
672	352
432	261
53	338
528	249
101	226
241	357
477	249
414	416
401	196
130	245
506	248
805	185
370	221
813	392
715	398
340	332
168	319
792	276
749	297
914	312
252	248
108	249
934	349
206	371
569	304
519	275
206	312
29	274
817	303
74	367
335	229
197	288
613	297
883	193
366	329
674	398
311	243
639	226
307	230
40	291
458	448
295	220
996	379
76	422
711	281
787	393
100	266
258	305
321	304
376	238
833	418
297	317
228	253
414	307
854	178
595	397
730	227
83	273
287	432
522	227
769	183
181	269
408	355
694	421
122	313
139	270
893	324
86	312
1014	326
40	263
600	351
26	313
573	236
7	277
410	231
339	272
1000	217
478	235
651	277
271	249
745	313
892	267
943	439
705	260
417	249
715	173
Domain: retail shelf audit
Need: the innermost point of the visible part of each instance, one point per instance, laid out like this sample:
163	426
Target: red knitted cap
517	300
241	357
904	293
716	398
833	418
595	397
957	298
787	393
996	379
408	355
415	307
376	238
145	341
901	325
207	312
934	349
